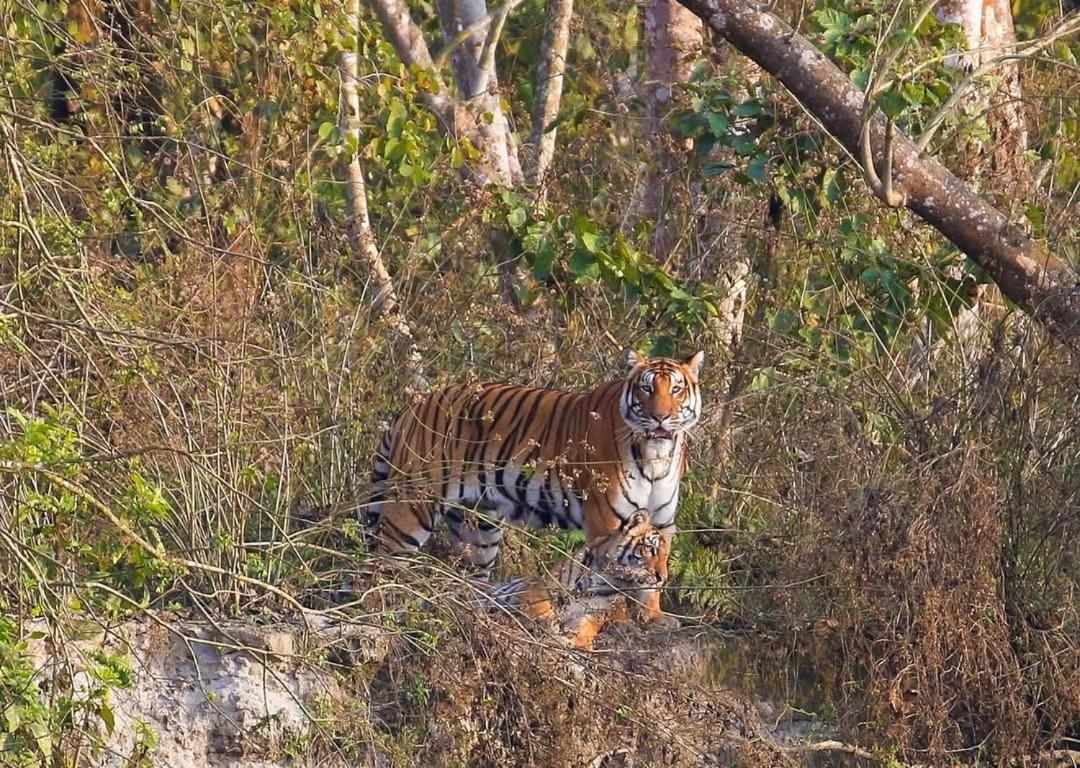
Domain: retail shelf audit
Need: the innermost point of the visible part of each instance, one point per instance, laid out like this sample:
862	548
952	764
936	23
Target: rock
230	693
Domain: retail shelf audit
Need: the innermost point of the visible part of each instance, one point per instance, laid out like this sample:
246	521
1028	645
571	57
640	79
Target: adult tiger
594	588
536	457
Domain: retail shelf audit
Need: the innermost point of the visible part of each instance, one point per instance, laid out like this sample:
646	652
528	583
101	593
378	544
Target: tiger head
661	396
633	557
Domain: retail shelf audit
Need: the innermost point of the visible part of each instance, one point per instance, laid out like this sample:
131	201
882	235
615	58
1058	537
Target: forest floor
260	692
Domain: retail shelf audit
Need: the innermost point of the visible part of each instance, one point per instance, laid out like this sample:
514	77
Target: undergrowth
188	363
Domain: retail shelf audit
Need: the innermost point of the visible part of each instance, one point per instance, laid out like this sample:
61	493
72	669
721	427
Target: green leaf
516	218
583	264
13	717
393	150
892	103
744	144
591	241
42	738
543	261
630	29
396	120
750	108
757	167
325	129
105	712
718	124
715	169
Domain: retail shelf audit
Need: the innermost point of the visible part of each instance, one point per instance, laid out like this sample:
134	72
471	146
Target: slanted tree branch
491	41
1040	283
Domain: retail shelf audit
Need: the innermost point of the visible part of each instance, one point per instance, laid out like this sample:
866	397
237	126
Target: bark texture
473	36
549	85
998	166
1040	283
673	40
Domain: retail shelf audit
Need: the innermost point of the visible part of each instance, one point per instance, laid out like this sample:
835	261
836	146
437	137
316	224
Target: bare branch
549	85
412	49
882	187
487	53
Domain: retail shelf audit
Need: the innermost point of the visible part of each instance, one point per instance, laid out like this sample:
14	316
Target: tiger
592	589
480	455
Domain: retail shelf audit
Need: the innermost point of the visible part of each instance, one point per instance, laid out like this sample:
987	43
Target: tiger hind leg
476	536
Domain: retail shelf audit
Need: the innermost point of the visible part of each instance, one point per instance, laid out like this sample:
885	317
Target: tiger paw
660	621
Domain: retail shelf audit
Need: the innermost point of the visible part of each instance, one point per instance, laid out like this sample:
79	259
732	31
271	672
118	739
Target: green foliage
34	727
185	342
56	517
577	251
25	722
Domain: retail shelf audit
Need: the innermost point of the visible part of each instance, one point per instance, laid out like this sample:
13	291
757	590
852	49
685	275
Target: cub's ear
639	518
632	358
693	363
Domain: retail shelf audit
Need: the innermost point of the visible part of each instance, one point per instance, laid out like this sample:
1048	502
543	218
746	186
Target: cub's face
661	396
634	557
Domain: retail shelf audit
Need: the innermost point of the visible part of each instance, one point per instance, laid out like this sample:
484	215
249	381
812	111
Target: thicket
187	357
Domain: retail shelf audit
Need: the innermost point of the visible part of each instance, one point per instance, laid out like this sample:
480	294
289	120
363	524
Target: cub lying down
601	584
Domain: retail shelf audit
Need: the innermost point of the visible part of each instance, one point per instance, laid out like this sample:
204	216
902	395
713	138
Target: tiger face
661	397
633	557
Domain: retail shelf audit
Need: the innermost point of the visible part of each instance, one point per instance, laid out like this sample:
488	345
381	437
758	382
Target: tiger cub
481	455
592	588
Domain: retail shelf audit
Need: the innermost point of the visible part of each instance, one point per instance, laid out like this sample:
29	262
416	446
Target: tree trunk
361	238
997	166
384	302
682	211
473	37
476	83
1040	283
548	96
673	40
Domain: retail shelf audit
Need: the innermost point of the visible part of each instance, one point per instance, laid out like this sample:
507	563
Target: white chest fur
651	480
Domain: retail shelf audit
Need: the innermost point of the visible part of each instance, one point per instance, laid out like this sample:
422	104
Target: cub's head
661	396
633	557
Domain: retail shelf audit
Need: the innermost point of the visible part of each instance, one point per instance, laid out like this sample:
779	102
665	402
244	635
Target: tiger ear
693	363
632	358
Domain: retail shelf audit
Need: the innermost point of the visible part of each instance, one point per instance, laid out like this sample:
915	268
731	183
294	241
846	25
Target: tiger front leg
476	536
649	611
648	606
